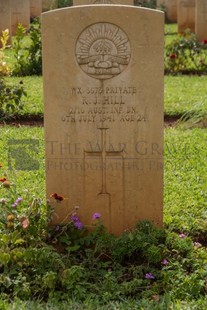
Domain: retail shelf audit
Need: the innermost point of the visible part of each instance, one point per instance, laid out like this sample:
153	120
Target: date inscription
104	104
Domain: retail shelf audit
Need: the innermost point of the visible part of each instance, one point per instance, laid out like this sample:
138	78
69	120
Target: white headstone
186	15
201	20
20	14
103	92
5	17
35	8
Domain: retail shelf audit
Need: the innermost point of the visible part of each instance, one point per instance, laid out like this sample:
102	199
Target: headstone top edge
95	6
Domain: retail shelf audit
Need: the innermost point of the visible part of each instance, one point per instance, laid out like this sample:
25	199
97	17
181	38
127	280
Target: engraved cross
103	154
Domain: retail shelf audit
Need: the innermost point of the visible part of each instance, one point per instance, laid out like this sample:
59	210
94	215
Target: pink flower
25	223
197	245
96	216
182	236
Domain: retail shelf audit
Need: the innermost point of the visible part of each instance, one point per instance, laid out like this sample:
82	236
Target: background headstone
103	93
170	9
20	14
35	8
5	17
84	2
201	20
48	5
186	15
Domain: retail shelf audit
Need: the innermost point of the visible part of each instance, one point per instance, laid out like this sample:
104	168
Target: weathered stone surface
170	9
186	15
20	14
103	93
35	8
85	2
201	20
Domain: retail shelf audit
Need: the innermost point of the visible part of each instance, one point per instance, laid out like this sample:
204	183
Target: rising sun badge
103	50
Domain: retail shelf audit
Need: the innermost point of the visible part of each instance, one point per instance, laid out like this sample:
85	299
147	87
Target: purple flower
149	276
74	218
78	225
165	262
18	200
57	228
197	245
96	216
182	236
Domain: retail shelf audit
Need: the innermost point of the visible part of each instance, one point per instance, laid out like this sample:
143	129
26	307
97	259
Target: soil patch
38	121
33	120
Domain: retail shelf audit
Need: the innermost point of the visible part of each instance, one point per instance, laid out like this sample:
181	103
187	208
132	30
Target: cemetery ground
64	268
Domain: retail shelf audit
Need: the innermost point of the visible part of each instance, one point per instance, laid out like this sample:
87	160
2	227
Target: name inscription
104	104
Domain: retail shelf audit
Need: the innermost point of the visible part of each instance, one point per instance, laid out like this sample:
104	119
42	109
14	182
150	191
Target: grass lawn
185	184
170	33
185	94
33	102
10	142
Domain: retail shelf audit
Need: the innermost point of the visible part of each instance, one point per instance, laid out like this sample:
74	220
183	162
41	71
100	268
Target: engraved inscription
106	91
104	104
103	51
103	114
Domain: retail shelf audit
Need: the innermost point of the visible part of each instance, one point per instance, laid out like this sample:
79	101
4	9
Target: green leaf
73	248
5	239
19	241
5	258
